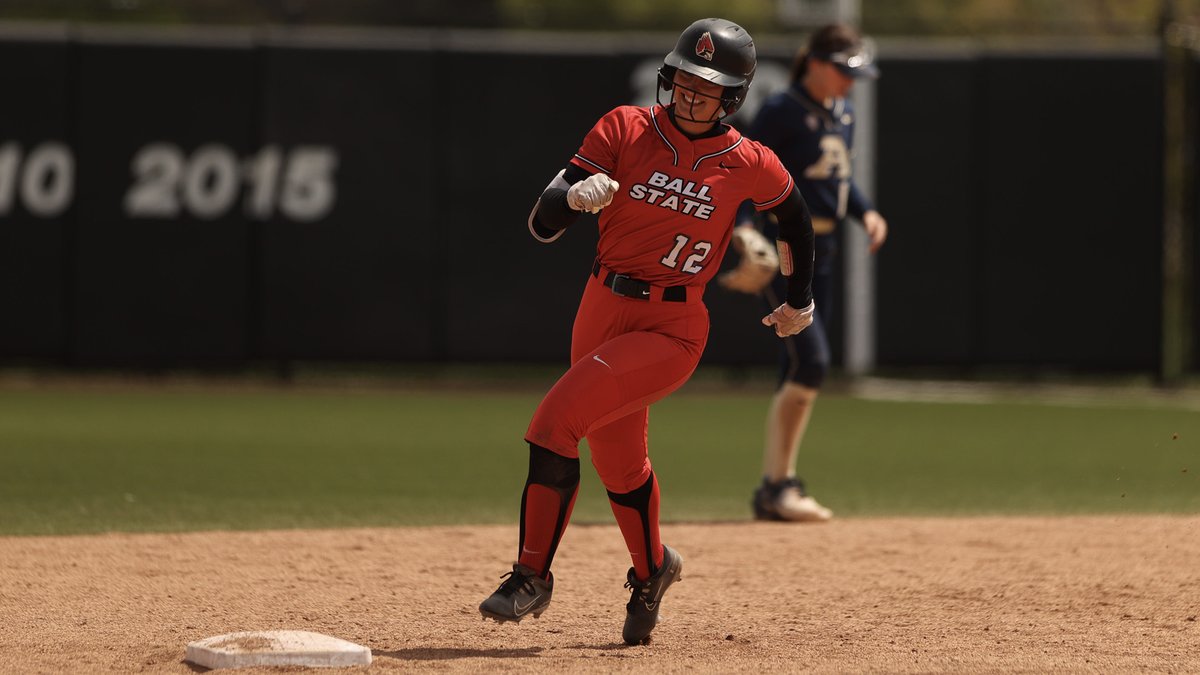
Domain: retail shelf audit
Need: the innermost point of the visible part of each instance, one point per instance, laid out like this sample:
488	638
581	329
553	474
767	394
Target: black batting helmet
716	50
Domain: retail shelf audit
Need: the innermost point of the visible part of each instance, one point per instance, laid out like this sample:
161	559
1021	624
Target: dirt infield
1080	594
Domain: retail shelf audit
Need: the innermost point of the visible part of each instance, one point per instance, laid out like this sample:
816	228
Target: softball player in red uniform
667	182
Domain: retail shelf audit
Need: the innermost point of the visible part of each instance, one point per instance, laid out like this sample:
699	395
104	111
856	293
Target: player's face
841	82
695	98
826	80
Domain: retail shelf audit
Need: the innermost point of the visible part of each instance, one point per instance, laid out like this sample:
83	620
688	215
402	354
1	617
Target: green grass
171	459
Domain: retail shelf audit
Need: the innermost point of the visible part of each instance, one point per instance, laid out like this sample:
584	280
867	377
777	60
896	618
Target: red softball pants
625	355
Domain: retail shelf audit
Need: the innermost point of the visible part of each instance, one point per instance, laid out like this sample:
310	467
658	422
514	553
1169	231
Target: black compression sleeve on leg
558	473
795	229
639	500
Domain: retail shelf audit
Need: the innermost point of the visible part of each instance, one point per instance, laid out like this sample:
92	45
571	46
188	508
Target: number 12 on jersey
691	264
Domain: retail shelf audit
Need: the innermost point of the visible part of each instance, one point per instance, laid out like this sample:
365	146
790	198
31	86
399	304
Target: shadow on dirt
445	654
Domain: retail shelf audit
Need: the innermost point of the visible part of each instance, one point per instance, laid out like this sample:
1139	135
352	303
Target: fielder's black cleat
787	500
764	503
523	592
641	614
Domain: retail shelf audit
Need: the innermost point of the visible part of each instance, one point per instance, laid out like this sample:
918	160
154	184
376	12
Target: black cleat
763	503
522	593
641	614
787	500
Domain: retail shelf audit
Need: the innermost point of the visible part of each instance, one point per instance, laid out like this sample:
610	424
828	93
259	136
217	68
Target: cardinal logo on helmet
704	46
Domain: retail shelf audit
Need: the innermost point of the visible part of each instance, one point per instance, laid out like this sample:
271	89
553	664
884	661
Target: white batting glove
592	193
788	320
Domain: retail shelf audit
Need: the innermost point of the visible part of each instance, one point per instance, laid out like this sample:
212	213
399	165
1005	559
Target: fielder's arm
876	226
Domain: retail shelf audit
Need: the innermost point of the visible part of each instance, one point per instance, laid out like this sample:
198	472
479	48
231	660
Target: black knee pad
804	358
811	375
552	469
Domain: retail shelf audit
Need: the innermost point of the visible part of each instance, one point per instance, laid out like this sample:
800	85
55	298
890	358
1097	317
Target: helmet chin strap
719	114
679	115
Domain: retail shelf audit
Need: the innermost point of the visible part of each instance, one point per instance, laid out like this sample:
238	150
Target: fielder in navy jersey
810	126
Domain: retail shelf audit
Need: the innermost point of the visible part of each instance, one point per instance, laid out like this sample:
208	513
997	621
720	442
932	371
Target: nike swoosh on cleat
518	609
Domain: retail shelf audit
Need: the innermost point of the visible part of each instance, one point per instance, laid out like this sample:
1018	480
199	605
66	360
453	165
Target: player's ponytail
800	64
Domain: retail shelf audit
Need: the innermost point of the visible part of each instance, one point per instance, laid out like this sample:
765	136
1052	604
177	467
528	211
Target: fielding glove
758	263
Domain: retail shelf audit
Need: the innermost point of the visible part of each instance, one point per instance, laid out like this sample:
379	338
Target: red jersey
671	219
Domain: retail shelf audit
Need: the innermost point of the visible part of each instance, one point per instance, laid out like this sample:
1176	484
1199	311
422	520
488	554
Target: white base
276	648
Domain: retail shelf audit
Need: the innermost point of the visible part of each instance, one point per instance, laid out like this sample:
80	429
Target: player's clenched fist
592	193
788	320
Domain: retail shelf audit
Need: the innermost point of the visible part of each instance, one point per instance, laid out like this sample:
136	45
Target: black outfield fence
220	199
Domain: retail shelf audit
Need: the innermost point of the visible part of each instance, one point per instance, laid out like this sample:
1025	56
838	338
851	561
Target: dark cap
841	45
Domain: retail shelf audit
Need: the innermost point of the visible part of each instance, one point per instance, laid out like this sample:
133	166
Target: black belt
628	287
